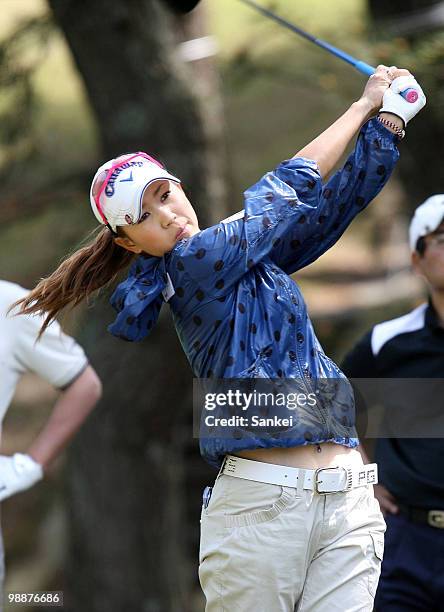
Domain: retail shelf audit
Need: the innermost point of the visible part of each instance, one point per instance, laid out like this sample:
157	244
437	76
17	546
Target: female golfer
291	522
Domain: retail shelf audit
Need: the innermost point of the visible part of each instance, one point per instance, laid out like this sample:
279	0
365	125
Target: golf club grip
410	95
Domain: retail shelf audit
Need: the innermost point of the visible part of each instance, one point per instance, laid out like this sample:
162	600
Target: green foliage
21	53
424	56
279	89
30	249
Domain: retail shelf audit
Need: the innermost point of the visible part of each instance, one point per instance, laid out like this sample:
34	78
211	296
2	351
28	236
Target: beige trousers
268	548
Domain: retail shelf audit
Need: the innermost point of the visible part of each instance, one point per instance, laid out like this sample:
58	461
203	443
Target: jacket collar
431	317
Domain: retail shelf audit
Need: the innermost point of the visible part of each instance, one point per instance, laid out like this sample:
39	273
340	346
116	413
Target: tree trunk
129	469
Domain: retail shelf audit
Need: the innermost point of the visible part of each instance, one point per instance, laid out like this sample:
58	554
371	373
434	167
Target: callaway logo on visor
121	206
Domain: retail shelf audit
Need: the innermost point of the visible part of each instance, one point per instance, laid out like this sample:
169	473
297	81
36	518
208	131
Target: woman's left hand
377	85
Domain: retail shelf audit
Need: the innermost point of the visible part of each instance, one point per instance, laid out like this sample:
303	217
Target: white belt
323	480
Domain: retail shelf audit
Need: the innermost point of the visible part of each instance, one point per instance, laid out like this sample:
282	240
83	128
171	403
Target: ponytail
91	267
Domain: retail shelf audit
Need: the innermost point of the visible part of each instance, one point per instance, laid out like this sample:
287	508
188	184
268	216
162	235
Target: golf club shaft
359	65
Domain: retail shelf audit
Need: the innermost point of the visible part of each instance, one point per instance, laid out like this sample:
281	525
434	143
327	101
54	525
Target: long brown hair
89	268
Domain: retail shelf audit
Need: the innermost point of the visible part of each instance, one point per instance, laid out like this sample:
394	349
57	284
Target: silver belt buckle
348	481
435	518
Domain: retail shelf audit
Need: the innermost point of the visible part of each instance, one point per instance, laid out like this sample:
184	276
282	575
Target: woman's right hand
377	85
386	500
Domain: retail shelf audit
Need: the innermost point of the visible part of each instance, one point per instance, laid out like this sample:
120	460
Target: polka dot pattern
259	326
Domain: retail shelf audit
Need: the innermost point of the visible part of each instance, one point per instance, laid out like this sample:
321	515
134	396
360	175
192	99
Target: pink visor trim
109	174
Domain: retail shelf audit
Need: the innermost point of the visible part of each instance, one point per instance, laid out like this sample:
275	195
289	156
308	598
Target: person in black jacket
411	469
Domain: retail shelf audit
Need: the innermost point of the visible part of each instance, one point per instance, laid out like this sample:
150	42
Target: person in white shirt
58	359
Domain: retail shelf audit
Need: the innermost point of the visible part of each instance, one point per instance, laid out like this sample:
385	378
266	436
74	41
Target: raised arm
361	178
327	149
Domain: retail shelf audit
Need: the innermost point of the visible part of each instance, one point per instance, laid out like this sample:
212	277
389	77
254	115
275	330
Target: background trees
128	501
132	488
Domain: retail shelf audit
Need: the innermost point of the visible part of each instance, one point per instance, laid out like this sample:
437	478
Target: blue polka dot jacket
236	310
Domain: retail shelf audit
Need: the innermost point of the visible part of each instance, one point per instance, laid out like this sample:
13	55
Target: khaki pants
268	548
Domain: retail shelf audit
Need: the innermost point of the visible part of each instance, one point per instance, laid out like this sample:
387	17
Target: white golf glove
18	473
393	102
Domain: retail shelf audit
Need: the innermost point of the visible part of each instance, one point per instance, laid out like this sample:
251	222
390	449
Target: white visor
426	219
121	200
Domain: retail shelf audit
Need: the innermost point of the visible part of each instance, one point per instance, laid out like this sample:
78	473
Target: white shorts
269	548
